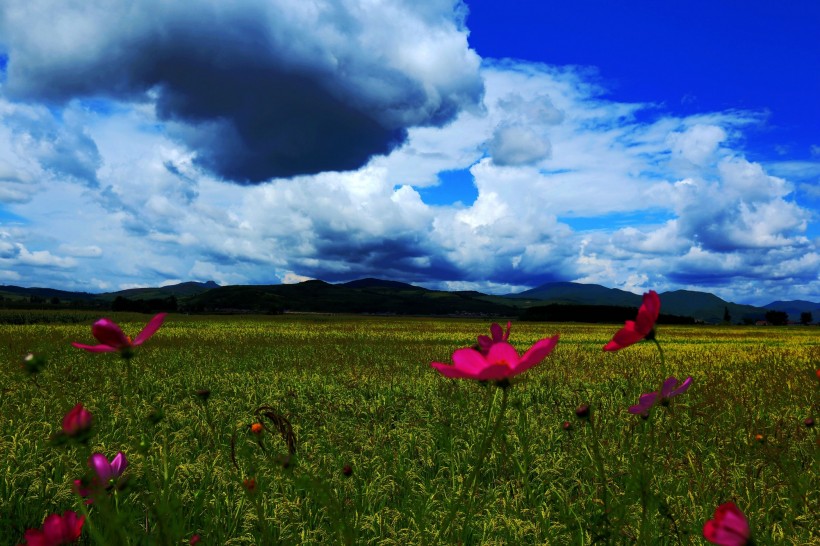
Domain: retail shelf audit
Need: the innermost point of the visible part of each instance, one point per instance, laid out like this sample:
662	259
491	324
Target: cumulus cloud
673	202
256	89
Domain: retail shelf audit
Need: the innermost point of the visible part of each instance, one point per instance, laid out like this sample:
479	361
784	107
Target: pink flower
498	335
669	389
104	473
500	362
194	540
728	527
57	530
633	332
112	339
77	421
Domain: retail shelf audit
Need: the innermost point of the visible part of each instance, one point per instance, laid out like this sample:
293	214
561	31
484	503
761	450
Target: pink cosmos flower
57	530
669	389
112	339
500	362
104	473
633	332
498	335
728	527
76	421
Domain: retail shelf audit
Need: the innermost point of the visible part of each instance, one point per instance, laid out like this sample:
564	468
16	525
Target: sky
481	145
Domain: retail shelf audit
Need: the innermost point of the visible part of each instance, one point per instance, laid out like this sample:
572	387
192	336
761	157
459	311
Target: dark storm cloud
258	90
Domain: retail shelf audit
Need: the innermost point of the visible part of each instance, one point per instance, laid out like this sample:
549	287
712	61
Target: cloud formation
126	185
257	89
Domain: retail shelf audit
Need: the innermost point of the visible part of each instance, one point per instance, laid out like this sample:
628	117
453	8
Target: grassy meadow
385	445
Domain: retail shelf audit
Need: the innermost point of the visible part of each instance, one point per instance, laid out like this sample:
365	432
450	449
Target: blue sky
481	145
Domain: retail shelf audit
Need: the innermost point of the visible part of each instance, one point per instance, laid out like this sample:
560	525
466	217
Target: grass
359	393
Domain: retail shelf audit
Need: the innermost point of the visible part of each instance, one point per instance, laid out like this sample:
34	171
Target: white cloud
677	203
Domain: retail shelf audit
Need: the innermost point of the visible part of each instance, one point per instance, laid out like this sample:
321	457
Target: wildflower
501	361
566	425
249	484
112	339
257	428
485	342
105	473
33	363
759	438
671	387
582	411
203	394
57	529
728	527
809	422
347	470
641	328
194	540
77	421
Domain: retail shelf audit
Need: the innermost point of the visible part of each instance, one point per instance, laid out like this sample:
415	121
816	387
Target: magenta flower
77	421
501	361
728	527
633	332
669	389
112	339
57	530
498	335
105	474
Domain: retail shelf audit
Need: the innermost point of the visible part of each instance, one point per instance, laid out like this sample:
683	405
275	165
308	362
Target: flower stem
472	481
663	359
599	465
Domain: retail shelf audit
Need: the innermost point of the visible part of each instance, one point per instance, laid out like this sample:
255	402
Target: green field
359	392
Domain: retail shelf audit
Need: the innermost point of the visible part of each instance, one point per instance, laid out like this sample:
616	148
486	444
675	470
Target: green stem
663	359
599	464
489	434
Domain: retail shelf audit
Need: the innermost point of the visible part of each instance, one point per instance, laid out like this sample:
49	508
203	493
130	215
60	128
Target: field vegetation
362	442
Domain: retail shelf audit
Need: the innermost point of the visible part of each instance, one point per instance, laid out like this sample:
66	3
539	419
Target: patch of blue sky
103	106
4	63
619	220
455	186
8	217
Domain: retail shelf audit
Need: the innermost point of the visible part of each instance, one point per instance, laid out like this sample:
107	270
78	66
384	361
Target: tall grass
384	444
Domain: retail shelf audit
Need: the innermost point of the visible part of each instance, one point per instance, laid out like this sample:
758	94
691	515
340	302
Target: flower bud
347	470
582	411
257	428
809	422
77	421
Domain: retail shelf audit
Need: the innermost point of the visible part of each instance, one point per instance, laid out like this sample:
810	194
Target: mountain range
381	296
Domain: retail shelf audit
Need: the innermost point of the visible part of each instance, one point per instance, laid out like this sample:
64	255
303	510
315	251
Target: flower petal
109	333
150	329
484	343
501	353
102	468
645	403
624	337
728	528
95	348
118	464
448	370
470	361
648	312
682	388
536	354
496	332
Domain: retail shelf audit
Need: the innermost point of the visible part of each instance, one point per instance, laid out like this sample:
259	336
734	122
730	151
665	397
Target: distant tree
727	318
777	318
55	301
806	318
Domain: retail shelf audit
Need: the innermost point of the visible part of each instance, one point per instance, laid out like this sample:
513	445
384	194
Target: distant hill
380	296
179	290
795	307
707	307
581	294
